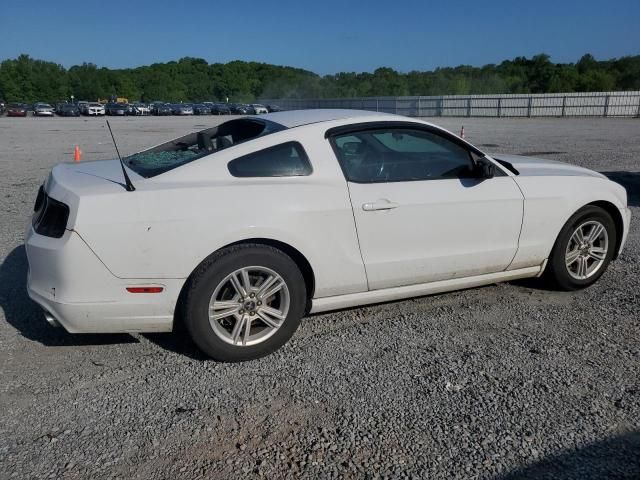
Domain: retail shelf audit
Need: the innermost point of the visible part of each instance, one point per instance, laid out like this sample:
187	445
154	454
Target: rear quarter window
284	160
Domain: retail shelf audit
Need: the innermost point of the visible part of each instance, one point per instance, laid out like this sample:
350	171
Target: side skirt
398	293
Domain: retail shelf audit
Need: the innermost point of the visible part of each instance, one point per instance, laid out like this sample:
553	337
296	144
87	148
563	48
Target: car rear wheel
244	302
583	249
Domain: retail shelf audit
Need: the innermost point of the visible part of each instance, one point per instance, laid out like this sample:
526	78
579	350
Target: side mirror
485	169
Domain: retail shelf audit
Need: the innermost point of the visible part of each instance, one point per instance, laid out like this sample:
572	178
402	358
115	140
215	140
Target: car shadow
26	316
630	181
616	457
178	342
534	283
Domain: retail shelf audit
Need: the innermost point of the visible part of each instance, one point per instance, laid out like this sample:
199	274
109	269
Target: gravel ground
506	381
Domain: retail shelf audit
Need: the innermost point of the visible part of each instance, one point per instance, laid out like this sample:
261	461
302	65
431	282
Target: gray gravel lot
506	381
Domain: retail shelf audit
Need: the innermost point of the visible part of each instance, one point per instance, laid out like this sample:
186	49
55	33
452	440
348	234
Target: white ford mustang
240	230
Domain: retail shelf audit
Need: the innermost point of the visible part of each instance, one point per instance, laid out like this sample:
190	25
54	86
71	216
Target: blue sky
322	36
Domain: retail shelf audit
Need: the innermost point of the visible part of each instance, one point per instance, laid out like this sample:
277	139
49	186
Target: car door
422	213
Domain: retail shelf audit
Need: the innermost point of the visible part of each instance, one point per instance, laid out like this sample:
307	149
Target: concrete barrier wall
587	104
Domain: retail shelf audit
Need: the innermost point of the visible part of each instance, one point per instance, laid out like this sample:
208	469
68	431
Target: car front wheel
583	249
244	302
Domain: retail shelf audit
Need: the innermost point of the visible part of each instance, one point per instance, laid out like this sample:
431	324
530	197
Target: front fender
550	202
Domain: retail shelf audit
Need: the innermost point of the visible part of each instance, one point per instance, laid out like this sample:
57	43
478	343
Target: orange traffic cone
462	132
77	154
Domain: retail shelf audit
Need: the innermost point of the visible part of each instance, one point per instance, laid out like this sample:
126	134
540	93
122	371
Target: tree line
25	79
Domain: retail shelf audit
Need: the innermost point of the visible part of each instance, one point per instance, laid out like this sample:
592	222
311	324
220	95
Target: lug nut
240	300
259	303
241	312
252	295
252	313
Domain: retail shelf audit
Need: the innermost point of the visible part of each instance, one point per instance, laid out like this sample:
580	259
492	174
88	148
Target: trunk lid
96	177
73	183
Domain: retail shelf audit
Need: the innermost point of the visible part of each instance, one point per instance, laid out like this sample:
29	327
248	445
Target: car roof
296	118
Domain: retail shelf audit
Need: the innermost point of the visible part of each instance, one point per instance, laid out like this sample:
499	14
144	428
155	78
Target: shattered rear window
147	163
190	147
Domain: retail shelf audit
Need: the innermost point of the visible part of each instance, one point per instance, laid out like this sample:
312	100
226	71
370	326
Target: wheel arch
616	216
298	258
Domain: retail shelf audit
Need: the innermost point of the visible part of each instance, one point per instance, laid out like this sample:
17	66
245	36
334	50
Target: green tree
193	79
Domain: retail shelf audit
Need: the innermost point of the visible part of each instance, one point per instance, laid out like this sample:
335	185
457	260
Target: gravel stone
506	381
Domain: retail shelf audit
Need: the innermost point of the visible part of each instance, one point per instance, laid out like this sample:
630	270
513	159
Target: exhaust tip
51	320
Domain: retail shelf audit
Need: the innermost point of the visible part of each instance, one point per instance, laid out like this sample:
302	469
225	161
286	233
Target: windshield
188	148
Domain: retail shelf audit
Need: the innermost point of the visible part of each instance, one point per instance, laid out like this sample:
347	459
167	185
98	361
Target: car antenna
128	185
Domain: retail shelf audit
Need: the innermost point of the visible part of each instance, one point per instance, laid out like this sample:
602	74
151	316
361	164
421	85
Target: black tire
557	272
212	272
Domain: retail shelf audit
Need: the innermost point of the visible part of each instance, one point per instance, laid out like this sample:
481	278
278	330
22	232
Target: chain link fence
590	104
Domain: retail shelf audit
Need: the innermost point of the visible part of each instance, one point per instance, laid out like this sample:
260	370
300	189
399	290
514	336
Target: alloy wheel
587	250
249	305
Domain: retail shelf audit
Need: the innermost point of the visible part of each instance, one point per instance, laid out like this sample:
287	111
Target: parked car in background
154	105
118	109
69	110
220	109
201	109
161	109
42	110
273	108
240	109
387	207
258	109
141	109
182	109
17	110
94	109
82	106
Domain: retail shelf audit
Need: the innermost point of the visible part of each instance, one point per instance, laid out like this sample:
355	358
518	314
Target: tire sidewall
559	269
209	277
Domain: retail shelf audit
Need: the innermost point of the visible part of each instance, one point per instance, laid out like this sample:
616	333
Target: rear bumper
101	317
76	290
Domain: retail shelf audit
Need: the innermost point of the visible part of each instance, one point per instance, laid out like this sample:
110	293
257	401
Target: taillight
50	216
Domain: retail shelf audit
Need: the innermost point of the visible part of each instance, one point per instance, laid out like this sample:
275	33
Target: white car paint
141	109
443	235
440	230
553	192
94	109
259	109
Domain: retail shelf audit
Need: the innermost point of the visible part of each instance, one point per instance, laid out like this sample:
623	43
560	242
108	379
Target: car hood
530	167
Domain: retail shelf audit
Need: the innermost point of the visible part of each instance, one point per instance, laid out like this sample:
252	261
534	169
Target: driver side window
400	155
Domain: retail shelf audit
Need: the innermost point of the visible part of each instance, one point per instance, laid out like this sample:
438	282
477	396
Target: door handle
382	204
